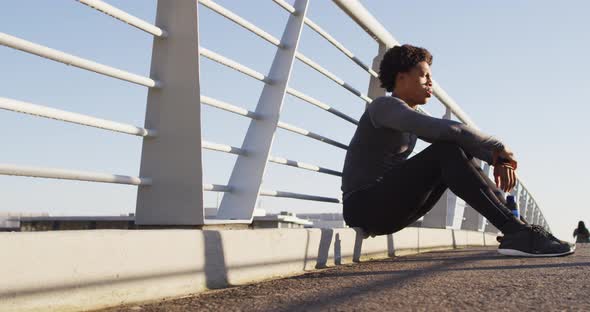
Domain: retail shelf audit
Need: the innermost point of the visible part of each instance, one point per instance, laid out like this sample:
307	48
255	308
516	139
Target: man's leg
433	198
419	182
411	189
469	182
499	194
430	200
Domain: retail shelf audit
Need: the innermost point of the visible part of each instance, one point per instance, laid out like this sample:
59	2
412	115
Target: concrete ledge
81	270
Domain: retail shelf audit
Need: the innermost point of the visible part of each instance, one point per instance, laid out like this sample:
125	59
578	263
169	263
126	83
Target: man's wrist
502	161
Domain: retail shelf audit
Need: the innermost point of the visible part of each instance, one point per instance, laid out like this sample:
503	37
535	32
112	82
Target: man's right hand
504	156
505	177
504	169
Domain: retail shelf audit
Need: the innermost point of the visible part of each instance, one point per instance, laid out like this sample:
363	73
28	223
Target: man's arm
390	112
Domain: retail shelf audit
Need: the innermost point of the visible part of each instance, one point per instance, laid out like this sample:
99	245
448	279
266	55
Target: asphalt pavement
475	279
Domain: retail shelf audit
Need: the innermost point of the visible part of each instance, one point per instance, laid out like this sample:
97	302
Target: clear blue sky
517	67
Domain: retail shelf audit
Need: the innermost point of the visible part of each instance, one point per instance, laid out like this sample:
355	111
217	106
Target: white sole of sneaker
518	253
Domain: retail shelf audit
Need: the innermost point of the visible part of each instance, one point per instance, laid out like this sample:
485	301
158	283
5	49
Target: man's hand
504	169
504	156
505	177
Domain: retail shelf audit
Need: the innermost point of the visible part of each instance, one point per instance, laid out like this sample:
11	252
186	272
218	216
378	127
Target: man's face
415	86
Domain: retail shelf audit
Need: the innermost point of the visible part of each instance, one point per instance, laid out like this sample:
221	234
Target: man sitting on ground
384	191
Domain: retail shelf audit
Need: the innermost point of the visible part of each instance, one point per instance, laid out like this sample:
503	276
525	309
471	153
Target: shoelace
541	231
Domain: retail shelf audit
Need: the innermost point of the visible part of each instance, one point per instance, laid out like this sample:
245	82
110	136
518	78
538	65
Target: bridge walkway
467	279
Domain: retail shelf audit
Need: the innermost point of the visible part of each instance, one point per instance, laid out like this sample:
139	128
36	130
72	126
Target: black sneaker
534	241
499	238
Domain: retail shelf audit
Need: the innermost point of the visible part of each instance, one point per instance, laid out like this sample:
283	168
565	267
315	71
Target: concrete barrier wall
81	270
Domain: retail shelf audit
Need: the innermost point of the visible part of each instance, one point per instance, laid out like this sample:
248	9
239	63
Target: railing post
473	220
530	209
522	201
249	169
173	158
437	216
446	205
448	114
514	192
490	228
375	89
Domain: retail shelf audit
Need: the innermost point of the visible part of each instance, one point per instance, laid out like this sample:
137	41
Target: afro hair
400	59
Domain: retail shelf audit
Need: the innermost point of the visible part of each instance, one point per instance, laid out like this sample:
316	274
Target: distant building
63	223
324	220
11	221
282	220
45	222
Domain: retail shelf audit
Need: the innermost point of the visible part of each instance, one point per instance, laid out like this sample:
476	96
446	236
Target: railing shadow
215	266
324	248
401	277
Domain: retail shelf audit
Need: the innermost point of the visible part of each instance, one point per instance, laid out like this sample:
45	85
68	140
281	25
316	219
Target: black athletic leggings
408	191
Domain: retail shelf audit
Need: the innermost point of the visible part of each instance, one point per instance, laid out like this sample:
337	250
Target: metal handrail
54	173
233	64
125	17
228	107
321	105
331	76
310	134
274	159
302	165
222	148
68	59
240	21
315	27
369	23
340	47
273	40
217	188
85	120
290	37
272	193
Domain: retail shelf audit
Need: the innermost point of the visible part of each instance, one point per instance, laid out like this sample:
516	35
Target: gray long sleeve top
387	133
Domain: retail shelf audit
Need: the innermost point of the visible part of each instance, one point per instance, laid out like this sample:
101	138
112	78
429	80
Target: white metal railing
54	173
228	107
68	59
321	105
223	148
233	65
125	17
271	39
171	157
52	113
46	112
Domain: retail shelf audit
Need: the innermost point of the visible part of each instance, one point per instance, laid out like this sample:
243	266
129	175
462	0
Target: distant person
384	191
581	233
